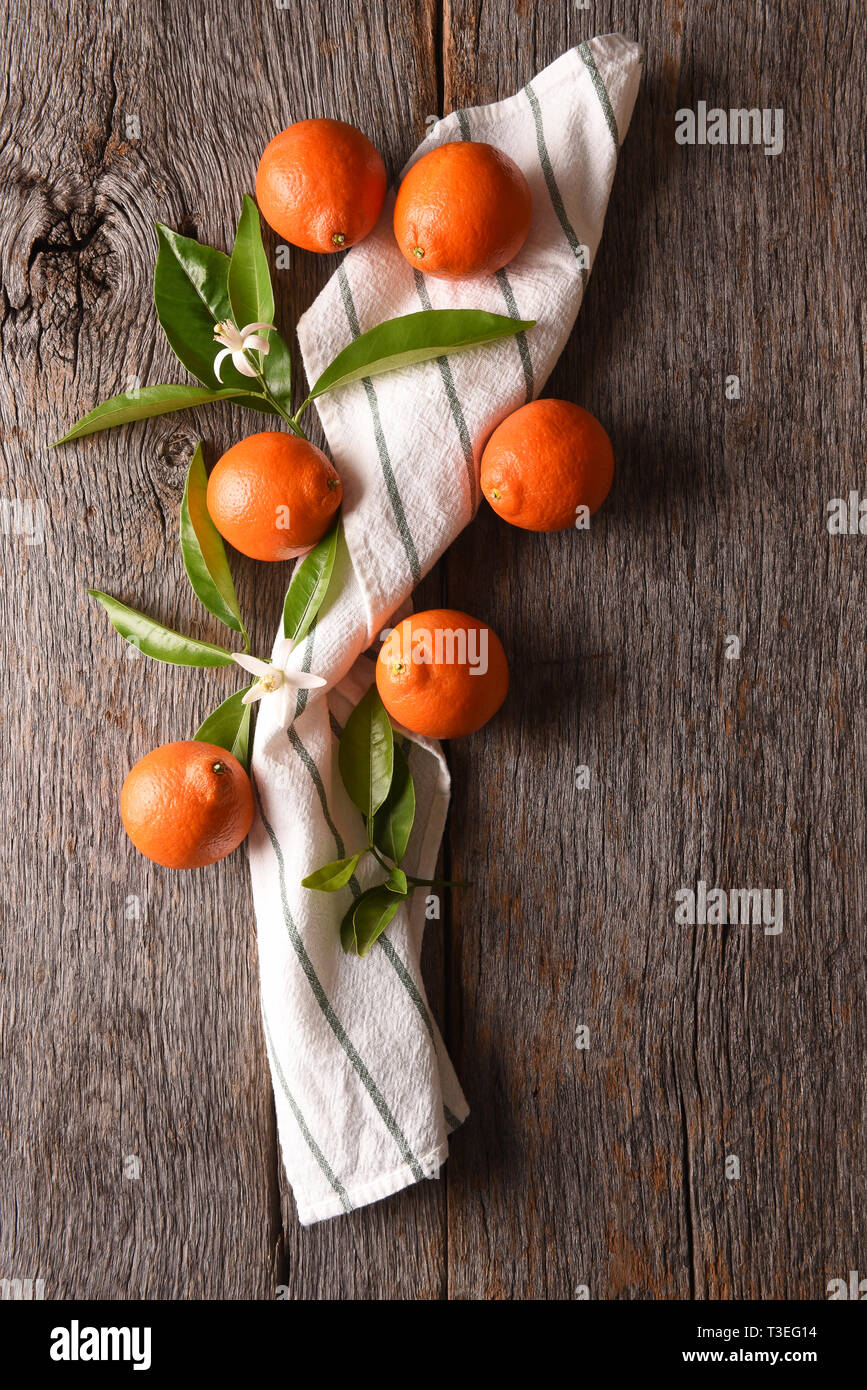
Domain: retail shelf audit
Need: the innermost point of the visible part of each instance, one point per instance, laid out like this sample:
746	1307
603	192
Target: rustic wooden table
130	1023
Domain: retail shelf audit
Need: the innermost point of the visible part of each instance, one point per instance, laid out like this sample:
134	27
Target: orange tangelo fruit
442	673
321	185
187	804
464	209
272	496
544	462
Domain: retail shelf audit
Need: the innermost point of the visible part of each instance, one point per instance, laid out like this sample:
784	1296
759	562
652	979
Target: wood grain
372	64
142	1037
129	1022
607	1167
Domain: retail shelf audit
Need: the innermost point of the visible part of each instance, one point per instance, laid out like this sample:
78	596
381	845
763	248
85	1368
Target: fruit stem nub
338	239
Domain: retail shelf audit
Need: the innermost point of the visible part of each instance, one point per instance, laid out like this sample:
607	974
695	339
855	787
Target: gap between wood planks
440	40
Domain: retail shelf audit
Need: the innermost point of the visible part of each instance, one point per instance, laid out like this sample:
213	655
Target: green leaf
277	371
191	295
249	280
373	912
347	930
157	641
366	754
393	821
203	552
414	338
147	401
334	875
241	746
309	585
396	882
229	726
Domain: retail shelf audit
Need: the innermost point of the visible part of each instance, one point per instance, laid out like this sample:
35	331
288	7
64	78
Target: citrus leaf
334	875
191	296
147	401
241	747
373	912
203	552
393	821
277	371
157	641
366	754
229	726
400	342
309	585
248	279
396	882
347	931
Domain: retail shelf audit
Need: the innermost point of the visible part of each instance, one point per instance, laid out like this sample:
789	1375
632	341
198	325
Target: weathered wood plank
373	64
125	1035
149	1042
130	1027
607	1167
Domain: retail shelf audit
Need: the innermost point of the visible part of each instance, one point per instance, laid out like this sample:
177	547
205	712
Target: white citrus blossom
237	342
281	677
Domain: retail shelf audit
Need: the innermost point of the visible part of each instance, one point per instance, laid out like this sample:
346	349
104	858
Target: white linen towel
364	1090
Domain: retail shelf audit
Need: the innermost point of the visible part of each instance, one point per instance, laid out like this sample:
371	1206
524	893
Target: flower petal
252	664
227	333
242	365
256	343
221	357
254	693
304	680
282	651
254	327
285	705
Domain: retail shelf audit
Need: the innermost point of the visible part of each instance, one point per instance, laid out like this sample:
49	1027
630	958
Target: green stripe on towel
302	1124
379	436
355	887
319	785
408	983
328	1013
601	92
551	182
452	396
520	338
